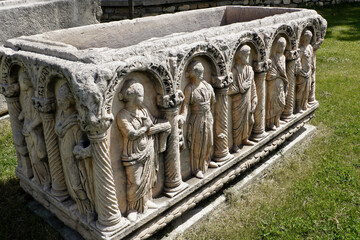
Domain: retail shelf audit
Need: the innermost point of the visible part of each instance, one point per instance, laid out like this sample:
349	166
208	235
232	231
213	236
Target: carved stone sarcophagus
121	127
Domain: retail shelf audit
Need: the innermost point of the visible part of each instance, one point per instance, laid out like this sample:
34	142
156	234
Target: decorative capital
291	54
44	105
170	101
261	66
222	81
10	90
96	126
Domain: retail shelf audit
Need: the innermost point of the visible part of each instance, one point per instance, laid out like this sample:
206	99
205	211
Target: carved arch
157	71
10	69
203	49
255	40
289	33
316	26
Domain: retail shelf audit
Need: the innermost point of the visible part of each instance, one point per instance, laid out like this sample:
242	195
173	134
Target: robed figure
244	98
304	77
197	110
143	140
277	84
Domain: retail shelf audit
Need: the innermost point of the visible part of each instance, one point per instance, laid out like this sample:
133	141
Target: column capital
44	105
10	90
170	101
220	82
261	66
291	54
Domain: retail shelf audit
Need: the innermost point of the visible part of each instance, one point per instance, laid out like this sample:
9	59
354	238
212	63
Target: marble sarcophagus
121	127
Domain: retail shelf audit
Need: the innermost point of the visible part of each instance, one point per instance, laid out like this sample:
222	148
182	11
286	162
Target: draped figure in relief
143	140
244	98
304	77
33	132
75	156
197	107
277	84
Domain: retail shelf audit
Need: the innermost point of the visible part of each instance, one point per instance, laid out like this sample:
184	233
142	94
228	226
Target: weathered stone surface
3	106
142	119
27	17
184	7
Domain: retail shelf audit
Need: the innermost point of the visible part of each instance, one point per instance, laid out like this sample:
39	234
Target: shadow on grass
347	16
16	220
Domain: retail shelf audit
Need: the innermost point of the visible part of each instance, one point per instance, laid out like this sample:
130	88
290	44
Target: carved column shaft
58	186
106	204
46	108
24	163
221	144
258	131
172	156
173	180
290	96
311	99
291	56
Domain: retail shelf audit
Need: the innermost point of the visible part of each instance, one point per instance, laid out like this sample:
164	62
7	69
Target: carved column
258	131
11	93
221	143
46	107
312	99
291	57
106	204
173	180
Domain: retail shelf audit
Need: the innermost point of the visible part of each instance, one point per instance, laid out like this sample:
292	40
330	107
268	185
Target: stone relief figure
303	80
276	85
32	130
197	109
143	139
244	98
75	156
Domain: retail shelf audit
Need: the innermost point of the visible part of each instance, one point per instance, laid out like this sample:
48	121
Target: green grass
315	194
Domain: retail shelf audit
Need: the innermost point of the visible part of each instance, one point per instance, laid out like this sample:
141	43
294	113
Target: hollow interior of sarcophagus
127	33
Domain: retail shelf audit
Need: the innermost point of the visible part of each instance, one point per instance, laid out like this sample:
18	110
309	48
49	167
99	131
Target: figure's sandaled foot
199	174
235	149
132	215
213	164
271	128
151	204
248	143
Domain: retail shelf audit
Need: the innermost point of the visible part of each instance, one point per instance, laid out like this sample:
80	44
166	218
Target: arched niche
316	27
289	34
214	68
258	50
257	54
153	86
203	51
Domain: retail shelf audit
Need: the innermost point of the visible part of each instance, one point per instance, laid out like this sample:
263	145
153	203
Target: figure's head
64	97
281	45
306	37
24	80
195	71
133	92
243	55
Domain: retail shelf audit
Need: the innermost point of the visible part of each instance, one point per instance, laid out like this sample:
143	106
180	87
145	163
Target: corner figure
304	78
